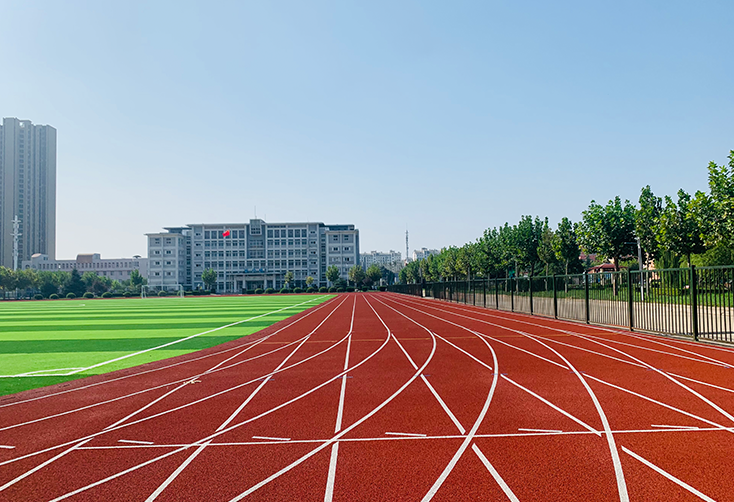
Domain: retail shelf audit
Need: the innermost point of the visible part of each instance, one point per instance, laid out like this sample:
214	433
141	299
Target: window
168	251
270	233
290	233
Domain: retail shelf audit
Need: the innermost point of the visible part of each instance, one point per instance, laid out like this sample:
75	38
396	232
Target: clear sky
442	117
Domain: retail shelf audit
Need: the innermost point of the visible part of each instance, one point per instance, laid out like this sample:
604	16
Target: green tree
7	280
288	279
209	277
546	253
647	220
565	244
374	274
356	274
75	284
332	273
679	229
721	187
137	280
608	230
309	281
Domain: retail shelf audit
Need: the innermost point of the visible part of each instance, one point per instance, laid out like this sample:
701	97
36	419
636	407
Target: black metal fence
696	301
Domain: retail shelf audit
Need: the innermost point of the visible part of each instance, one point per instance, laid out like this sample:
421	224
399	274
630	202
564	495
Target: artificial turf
51	335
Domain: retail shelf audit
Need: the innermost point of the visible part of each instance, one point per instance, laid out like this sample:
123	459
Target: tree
565	244
356	274
374	274
721	186
7	280
679	229
137	280
332	273
608	230
288	279
647	219
528	236
309	281
546	253
75	284
209	277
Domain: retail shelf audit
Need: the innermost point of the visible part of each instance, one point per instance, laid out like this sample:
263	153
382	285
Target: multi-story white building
423	253
383	259
253	255
27	189
115	268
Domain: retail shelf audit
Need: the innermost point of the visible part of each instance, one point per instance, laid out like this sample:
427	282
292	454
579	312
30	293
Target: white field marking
161	368
657	342
675	480
680	384
178	407
465	352
134	442
232	427
189	337
718	426
333	458
234	414
700	382
541	430
41	373
495	474
348	429
676	341
577	420
712	362
405	434
266	438
6	447
558	342
42	465
675	426
398	438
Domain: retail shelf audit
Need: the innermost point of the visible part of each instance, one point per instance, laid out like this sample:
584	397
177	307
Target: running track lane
389	397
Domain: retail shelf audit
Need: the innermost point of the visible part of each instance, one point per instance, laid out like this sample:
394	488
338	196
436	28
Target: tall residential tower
27	189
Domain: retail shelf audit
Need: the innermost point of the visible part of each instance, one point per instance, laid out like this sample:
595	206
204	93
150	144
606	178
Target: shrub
297	290
106	294
162	293
259	291
285	290
250	292
365	289
323	289
339	290
269	291
383	288
88	294
197	292
53	296
127	294
311	289
332	289
350	289
38	297
70	295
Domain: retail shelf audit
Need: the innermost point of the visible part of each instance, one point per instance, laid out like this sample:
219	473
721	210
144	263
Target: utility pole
16	235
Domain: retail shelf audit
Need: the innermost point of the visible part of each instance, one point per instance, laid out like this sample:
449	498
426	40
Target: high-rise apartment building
250	255
27	189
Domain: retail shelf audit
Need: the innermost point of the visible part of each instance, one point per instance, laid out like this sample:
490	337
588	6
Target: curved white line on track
228	429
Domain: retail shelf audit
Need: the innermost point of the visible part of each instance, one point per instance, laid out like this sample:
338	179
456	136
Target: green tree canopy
332	273
209	277
679	229
608	230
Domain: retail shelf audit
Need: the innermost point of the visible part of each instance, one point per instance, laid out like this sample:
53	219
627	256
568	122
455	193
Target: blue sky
442	117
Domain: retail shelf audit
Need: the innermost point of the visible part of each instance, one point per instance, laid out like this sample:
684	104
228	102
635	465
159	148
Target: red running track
388	397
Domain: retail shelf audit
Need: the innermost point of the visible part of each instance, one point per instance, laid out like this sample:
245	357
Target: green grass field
62	340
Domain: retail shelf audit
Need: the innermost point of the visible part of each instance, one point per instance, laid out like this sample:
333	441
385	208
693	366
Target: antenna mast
16	234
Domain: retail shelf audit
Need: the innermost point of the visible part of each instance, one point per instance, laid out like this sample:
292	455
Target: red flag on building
226	233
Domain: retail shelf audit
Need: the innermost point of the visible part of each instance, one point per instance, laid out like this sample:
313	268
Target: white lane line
161	368
232	427
234	414
42	465
675	426
267	438
334	457
495	474
134	442
550	431
675	480
405	434
6	447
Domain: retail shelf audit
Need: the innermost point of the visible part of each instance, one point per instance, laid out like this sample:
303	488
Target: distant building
254	255
118	269
424	253
381	259
27	189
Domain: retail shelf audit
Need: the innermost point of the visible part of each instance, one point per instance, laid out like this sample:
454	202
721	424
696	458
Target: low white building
423	253
118	269
383	259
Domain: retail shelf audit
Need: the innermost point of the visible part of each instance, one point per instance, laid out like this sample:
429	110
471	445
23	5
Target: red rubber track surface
388	397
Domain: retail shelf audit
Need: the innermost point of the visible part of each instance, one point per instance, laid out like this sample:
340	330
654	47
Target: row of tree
59	282
697	229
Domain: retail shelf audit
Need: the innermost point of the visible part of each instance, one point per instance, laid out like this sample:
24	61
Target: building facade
423	253
118	269
253	255
382	259
27	189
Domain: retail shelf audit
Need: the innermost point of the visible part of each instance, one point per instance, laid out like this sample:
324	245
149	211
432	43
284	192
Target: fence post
555	298
497	294
530	290
512	294
630	299
484	292
694	302
586	295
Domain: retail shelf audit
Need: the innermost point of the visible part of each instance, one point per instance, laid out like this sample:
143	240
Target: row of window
234	265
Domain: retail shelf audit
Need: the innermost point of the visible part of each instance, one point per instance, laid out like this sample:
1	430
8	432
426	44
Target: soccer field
48	342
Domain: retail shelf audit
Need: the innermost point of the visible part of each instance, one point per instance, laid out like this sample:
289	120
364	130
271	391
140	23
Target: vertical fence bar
530	293
630	300
694	303
586	295
555	298
497	294
512	295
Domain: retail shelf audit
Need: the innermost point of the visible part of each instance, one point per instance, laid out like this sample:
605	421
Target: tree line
61	283
688	229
